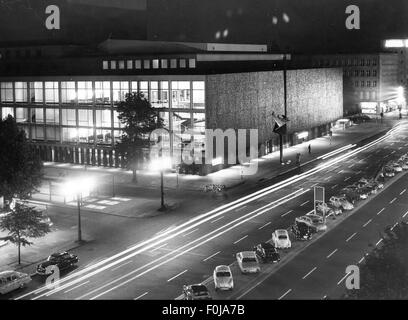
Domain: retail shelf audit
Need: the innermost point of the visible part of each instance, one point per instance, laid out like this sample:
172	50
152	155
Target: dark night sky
311	25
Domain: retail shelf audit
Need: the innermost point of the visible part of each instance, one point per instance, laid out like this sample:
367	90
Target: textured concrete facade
247	100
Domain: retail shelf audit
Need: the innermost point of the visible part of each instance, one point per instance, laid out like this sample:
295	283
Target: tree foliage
21	168
139	119
384	275
22	223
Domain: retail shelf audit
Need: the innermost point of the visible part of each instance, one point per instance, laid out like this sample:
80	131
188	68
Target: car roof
281	231
7	273
222	268
247	254
59	254
197	287
267	245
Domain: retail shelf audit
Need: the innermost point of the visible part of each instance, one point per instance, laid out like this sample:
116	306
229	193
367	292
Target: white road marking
334	186
213	255
358	172
393	152
392	201
142	295
239	209
177	275
240	239
365	224
324	297
380	211
185	235
341	280
349	238
286	213
80	285
282	296
352	165
333	252
328	178
361	260
123	264
266	224
309	273
394	226
341	171
218	219
304	203
378	242
405	214
348	178
163	245
402	192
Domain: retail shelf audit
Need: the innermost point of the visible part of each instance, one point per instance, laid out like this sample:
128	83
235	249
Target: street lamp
79	188
161	164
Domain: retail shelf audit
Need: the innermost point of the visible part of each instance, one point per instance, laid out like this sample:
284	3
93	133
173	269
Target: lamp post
79	196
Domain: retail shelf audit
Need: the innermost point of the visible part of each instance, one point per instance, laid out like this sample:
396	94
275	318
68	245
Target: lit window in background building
138	64
113	65
102	92
68	117
120	90
37	115
52	116
86	135
173	63
51	92
134	86
85	92
105	65
164	63
164	94
53	133
182	63
69	134
198	94
36	92
155	64
121	64
6	111
6	91
22	115
103	118
68	93
37	132
146	64
116	121
154	94
85	118
20	91
103	136
129	64
144	88
180	94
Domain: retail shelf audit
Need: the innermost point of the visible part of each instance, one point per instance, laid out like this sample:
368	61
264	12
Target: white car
318	222
248	262
281	240
396	167
223	278
404	165
341	202
12	280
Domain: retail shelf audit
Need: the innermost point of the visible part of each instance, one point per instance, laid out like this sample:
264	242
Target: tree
23	222
21	168
140	119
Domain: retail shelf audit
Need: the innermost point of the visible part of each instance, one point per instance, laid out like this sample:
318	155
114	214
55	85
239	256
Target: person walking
330	136
310	149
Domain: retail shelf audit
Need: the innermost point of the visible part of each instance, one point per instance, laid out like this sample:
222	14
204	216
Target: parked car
396	167
248	262
341	202
223	278
389	171
318	222
281	240
302	231
359	190
328	210
13	280
196	292
63	260
266	252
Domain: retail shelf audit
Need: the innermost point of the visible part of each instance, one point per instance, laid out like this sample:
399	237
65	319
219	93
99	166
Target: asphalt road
187	253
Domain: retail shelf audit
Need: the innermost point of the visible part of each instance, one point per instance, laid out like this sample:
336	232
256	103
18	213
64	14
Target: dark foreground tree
20	167
23	222
139	119
384	274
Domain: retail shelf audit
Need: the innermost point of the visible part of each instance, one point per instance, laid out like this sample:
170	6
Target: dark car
302	231
196	292
267	252
63	260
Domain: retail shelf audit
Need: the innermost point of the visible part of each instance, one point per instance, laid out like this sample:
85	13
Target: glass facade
72	112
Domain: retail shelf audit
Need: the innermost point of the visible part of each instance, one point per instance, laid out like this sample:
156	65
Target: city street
154	260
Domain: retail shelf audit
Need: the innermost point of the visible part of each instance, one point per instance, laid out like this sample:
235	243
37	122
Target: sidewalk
268	166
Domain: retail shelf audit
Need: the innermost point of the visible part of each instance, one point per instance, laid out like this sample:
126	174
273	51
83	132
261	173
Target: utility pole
79	196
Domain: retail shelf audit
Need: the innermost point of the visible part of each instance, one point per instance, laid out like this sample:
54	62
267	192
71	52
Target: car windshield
249	260
223	274
199	290
282	237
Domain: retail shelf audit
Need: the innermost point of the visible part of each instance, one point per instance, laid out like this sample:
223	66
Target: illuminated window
180	94
68	117
144	88
103	118
173	63
69	134
164	63
155	64
6	91
68	93
105	65
116	121
36	92
362	83
138	64
103	136
121	64
368	73
5	112
182	63
113	65
192	63
198	94
374	83
102	92
85	118
86	135
20	91
37	132
368	83
374	73
37	115
53	133
154	94
134	86
164	94
22	115
52	116
146	64
51	92
120	90
129	64
85	92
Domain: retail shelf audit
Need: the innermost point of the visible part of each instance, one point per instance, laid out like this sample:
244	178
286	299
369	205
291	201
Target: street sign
318	197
